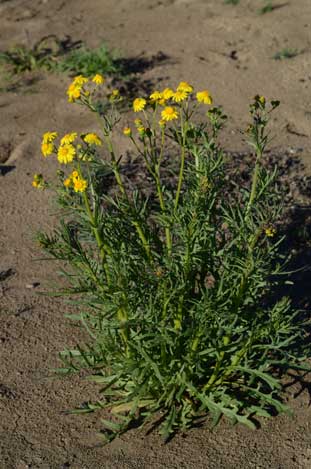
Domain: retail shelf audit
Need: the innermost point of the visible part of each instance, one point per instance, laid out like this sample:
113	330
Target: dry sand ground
199	37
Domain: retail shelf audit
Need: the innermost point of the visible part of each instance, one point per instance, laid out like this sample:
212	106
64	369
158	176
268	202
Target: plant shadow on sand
130	82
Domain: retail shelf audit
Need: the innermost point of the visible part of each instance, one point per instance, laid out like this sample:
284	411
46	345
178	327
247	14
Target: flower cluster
75	181
38	182
76	89
92	139
47	145
67	151
270	231
172	102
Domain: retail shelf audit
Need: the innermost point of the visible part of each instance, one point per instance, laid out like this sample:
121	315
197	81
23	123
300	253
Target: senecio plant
172	280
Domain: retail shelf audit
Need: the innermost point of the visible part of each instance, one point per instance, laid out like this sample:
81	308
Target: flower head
127	131
98	79
139	104
38	181
167	93
115	96
179	95
185	86
73	92
270	231
92	139
67	182
49	137
79	184
66	153
204	97
68	138
80	80
156	96
169	113
47	149
75	88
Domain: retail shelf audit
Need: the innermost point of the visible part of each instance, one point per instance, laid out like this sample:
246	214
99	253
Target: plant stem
116	171
259	154
100	243
182	163
122	317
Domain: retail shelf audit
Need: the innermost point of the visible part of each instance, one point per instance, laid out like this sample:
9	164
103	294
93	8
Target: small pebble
32	285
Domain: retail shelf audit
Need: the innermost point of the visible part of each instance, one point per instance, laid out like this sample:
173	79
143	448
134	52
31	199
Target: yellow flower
185	86
139	104
127	131
162	123
49	137
79	185
47	149
156	96
167	93
67	182
92	139
68	138
115	96
73	92
169	114
179	96
204	97
141	130
75	88
138	122
98	79
270	231
75	175
38	181
80	80
66	153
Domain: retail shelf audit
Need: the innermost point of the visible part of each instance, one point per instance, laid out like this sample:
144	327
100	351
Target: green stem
182	164
234	362
163	208
142	238
214	375
122	318
135	223
115	166
255	180
100	243
155	173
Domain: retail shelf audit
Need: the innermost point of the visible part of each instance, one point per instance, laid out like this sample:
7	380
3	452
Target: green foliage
20	59
231	2
50	54
286	54
267	8
90	61
174	282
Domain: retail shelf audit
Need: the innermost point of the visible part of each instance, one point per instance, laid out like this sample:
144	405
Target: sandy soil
199	38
